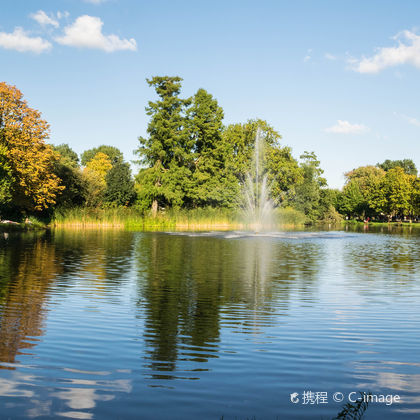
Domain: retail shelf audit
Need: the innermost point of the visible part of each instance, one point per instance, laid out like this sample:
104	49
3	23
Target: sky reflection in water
108	324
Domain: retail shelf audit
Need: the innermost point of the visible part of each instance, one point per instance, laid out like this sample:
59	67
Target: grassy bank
195	219
396	224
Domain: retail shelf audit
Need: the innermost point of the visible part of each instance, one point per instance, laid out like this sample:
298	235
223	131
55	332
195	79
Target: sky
340	78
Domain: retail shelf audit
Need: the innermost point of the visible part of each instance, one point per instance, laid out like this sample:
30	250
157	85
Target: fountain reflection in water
258	207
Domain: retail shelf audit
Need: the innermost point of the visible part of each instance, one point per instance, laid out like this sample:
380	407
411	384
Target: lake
109	324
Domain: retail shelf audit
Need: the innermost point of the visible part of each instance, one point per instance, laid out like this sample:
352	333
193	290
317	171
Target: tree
415	196
328	204
351	201
189	159
95	173
308	193
113	153
119	185
407	165
208	184
22	137
100	163
284	173
282	169
67	155
359	202
167	151
68	170
394	194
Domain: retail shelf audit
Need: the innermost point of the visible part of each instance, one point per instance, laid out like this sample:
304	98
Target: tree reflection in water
190	287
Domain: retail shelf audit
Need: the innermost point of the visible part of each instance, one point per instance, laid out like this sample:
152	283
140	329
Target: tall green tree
407	165
360	201
328	204
119	185
308	193
394	194
208	183
166	153
352	202
68	170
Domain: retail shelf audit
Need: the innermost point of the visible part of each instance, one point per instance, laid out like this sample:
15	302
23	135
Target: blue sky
340	78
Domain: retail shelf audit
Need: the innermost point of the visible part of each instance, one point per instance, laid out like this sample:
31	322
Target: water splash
258	207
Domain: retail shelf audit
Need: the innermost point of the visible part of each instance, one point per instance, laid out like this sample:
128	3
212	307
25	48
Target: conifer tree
167	151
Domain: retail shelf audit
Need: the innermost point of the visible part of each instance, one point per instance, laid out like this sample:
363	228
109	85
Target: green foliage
415	196
190	160
166	152
358	197
119	185
351	202
72	178
394	194
366	176
283	170
408	166
210	182
68	156
288	216
308	192
68	170
114	154
373	192
328	203
284	173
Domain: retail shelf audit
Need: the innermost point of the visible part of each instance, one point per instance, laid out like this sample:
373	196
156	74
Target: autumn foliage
22	137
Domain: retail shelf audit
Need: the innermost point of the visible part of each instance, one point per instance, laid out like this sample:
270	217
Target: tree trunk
154	208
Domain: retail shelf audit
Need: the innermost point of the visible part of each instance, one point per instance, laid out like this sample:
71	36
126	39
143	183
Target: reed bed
192	219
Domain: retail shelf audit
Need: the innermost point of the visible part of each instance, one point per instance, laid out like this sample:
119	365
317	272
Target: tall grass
93	217
193	219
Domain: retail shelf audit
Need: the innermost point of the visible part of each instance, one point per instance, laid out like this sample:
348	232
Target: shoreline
151	225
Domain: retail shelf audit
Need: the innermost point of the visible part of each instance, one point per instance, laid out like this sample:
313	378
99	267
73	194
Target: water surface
111	324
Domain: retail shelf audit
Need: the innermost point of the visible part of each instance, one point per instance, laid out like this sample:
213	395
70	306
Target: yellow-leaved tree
29	158
95	174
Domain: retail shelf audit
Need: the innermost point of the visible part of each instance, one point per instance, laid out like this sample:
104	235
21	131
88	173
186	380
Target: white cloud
406	52
95	1
411	120
61	15
19	40
86	32
344	127
307	56
329	56
43	19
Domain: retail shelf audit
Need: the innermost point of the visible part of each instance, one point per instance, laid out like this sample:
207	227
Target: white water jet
258	207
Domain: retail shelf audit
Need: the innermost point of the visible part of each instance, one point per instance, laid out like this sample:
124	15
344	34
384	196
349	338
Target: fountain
258	207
